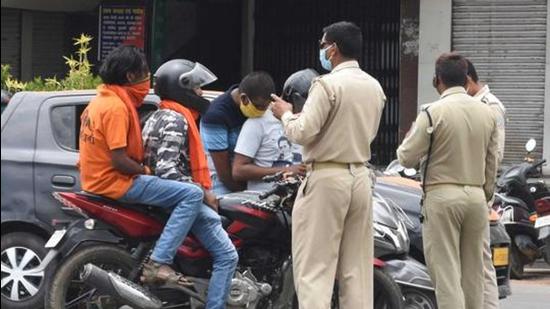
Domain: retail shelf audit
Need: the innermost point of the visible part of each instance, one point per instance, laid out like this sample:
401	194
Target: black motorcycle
517	200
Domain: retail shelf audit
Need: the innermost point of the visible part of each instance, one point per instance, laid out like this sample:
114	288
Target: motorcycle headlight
398	238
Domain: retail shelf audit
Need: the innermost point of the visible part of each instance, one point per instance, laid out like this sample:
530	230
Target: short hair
284	139
257	85
347	36
472	71
451	68
121	61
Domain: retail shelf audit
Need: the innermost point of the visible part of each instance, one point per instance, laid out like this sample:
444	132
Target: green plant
80	74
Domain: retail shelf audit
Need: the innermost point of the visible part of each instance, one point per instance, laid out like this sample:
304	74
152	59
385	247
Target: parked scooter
391	244
402	186
105	251
520	201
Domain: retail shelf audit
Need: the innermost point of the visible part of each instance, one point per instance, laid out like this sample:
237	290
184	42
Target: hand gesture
279	106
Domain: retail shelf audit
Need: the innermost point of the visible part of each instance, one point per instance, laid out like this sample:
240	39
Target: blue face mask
325	63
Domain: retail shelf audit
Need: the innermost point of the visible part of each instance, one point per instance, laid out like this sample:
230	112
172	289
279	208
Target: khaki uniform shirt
465	142
494	103
340	117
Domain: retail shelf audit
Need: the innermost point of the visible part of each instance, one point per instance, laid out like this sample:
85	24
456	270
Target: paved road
533	292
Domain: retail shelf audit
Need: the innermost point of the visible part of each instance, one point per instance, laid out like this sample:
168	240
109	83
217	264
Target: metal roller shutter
506	41
291	44
11	39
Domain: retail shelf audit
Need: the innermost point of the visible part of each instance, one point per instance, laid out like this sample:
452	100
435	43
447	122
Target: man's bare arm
124	164
223	168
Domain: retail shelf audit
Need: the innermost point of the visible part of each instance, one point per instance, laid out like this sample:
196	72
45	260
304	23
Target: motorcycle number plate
542	221
500	256
55	239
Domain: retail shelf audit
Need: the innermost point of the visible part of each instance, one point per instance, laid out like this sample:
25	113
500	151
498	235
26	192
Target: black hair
347	36
257	85
121	61
284	139
451	68
472	71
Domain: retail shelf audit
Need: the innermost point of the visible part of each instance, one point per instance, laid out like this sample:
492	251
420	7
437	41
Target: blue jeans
189	213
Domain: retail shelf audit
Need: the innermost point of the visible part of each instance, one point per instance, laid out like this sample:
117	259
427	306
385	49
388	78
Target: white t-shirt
263	140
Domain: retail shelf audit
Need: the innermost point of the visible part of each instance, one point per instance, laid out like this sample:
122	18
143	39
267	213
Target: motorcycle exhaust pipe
119	287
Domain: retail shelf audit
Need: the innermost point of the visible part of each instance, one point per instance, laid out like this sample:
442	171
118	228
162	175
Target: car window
66	123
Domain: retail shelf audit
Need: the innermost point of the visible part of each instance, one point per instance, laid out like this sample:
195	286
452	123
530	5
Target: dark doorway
207	31
286	40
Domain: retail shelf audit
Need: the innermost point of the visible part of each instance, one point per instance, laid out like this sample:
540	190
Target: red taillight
378	263
542	205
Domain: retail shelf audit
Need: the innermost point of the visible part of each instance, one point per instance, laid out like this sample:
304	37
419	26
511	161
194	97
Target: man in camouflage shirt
173	150
166	146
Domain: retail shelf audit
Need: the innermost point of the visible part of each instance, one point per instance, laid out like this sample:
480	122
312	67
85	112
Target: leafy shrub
80	74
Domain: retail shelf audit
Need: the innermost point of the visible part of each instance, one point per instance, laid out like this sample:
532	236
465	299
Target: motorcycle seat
157	212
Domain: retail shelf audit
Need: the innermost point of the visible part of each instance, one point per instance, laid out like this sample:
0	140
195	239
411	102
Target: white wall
435	39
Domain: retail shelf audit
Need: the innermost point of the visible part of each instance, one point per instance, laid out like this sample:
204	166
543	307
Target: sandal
156	273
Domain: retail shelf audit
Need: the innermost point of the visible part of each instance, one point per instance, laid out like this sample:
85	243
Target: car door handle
63	181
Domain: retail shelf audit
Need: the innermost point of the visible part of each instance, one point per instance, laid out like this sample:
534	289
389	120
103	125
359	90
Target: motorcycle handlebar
541	162
266	194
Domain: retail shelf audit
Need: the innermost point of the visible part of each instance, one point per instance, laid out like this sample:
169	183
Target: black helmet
176	80
297	86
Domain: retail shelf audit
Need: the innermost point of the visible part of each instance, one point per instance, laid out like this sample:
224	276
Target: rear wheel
516	261
68	291
547	249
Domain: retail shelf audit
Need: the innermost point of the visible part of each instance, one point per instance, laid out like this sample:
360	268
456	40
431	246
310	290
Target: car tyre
21	253
419	299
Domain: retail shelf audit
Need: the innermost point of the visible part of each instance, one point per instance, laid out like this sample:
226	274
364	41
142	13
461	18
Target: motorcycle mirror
409	172
530	145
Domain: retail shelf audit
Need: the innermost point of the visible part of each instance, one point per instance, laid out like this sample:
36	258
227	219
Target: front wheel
68	291
418	298
387	294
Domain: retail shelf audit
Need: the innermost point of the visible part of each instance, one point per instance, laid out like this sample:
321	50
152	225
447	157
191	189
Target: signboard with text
120	25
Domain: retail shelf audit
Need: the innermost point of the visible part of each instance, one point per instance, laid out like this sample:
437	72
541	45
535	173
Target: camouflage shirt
166	145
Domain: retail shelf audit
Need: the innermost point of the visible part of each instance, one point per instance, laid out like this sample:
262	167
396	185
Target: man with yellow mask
221	125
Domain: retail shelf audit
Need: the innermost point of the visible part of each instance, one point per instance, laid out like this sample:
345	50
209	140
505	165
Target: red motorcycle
104	251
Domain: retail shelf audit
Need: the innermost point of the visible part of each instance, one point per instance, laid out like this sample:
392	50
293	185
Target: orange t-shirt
104	127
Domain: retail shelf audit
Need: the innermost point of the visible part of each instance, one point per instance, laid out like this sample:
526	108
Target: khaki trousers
332	238
455	226
490	292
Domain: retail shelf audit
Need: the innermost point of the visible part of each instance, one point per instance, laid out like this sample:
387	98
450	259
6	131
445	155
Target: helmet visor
198	77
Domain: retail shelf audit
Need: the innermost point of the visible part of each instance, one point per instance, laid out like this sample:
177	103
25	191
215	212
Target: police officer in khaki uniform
482	92
459	179
332	216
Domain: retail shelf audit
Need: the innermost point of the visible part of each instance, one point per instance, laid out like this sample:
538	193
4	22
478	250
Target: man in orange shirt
111	157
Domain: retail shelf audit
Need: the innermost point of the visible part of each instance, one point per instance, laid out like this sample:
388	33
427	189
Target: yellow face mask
250	111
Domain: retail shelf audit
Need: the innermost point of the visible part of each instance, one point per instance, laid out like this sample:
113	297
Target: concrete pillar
26	45
247	39
435	39
546	132
408	65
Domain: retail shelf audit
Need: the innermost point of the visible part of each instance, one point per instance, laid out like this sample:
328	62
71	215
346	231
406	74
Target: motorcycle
391	245
520	202
105	251
402	187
